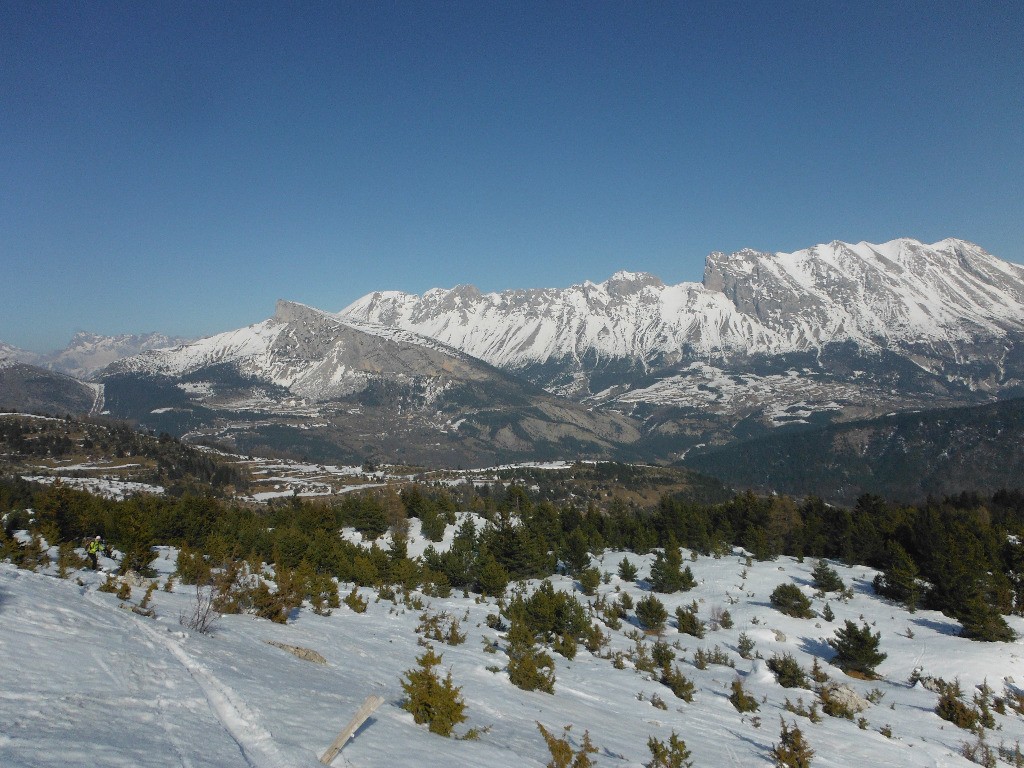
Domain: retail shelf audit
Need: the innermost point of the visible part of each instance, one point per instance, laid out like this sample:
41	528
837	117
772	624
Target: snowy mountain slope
309	352
896	325
84	681
320	386
750	303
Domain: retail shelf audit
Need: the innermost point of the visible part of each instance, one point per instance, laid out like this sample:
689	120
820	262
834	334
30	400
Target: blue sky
179	166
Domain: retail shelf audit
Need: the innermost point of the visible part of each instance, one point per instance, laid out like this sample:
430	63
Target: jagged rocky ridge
836	331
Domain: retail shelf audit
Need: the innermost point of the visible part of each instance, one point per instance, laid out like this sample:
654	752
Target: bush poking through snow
791	751
562	753
355	601
201	615
742	700
857	650
788	599
788	671
651	614
431	700
671	755
528	668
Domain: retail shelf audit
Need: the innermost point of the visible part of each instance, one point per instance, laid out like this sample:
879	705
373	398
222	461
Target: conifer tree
825	578
898	581
857	649
528	668
791	751
651	613
431	700
667	573
671	755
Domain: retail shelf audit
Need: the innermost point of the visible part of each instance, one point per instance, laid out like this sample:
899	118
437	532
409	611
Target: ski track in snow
255	743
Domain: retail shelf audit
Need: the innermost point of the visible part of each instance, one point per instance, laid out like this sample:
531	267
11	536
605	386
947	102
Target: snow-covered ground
83	681
101	486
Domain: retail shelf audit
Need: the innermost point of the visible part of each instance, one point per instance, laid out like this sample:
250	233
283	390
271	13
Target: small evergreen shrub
788	599
745	645
787	671
561	749
857	649
742	700
792	750
674	754
355	601
689	623
528	667
627	571
651	613
431	700
952	708
678	683
441	627
826	579
589	578
662	653
702	658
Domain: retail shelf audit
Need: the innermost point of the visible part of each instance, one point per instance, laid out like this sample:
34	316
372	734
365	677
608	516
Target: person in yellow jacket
93	551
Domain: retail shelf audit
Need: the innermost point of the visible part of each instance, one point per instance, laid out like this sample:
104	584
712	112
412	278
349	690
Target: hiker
93	551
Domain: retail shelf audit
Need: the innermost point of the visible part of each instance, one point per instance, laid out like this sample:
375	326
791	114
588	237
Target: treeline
962	555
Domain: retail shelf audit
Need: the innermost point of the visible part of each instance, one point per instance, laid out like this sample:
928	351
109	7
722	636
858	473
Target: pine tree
826	579
791	751
433	701
791	601
667	573
671	755
528	667
651	613
627	571
898	581
742	700
857	649
562	754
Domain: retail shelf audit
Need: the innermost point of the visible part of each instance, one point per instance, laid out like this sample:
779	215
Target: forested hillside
905	457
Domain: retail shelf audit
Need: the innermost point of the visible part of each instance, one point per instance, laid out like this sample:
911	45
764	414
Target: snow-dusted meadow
85	681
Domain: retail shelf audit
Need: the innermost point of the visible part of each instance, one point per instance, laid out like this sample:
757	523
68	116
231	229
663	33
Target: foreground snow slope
84	682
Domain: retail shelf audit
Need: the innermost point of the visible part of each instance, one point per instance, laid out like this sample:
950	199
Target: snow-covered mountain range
900	292
830	333
941	304
837	331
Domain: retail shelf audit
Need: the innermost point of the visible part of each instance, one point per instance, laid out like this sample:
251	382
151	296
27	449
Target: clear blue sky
179	166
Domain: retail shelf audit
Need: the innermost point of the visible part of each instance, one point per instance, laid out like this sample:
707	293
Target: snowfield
85	681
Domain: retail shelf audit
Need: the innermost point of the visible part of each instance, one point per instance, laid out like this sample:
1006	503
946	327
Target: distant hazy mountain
88	353
10	355
306	382
904	457
834	331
